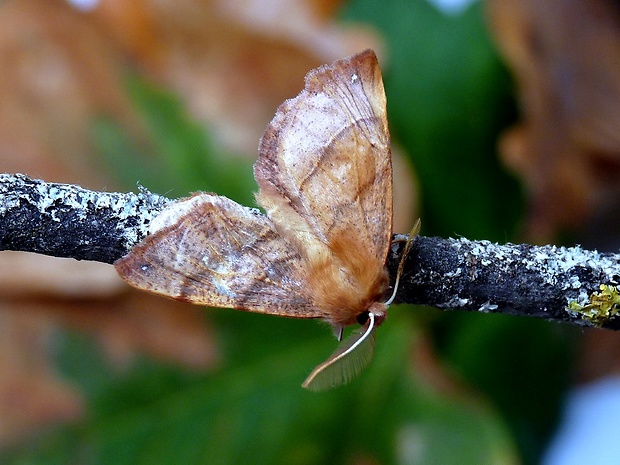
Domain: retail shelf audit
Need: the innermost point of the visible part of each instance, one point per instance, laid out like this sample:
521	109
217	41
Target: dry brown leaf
26	274
136	323
566	59
598	355
58	72
406	196
232	63
31	395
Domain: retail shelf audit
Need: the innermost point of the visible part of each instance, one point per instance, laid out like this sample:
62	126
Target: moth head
355	353
378	310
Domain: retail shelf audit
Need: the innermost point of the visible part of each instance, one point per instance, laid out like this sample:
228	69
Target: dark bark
64	220
517	279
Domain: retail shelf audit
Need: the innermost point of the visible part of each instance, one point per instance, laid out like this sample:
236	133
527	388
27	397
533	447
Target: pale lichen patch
457	302
487	307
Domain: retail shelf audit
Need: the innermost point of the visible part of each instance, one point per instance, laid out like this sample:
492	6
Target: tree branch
554	283
63	220
516	279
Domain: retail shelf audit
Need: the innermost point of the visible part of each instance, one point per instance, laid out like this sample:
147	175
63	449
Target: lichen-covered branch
555	283
64	220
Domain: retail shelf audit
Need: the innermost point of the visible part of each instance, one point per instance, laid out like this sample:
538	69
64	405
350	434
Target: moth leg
412	234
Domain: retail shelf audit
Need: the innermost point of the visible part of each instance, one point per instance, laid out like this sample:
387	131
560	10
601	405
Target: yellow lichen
603	305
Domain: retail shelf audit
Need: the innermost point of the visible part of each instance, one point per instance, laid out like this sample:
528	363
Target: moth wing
212	251
324	168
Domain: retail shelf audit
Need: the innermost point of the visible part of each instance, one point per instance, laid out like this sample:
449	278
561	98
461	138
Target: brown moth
325	177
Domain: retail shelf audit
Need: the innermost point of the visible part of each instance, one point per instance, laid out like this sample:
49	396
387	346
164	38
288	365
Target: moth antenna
412	234
351	357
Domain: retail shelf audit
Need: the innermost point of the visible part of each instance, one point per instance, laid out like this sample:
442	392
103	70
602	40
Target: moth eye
362	318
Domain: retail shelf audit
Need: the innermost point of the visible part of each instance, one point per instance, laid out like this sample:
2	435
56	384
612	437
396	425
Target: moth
325	183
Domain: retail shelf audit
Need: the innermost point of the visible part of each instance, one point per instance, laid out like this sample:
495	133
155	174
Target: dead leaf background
213	72
566	61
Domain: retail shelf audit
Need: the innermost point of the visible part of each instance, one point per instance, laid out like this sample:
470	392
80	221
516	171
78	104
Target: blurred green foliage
448	98
253	409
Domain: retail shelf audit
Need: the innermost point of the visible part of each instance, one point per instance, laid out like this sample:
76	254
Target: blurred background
505	119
